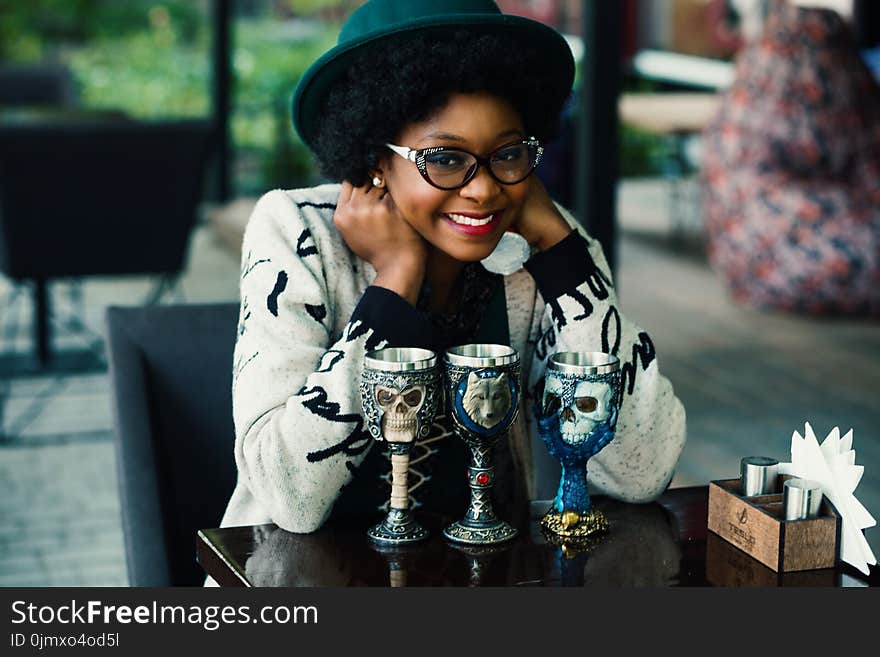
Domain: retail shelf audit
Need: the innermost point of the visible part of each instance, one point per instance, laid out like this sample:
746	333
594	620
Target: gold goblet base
574	526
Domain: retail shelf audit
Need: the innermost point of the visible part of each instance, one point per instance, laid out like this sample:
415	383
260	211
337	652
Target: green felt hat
378	20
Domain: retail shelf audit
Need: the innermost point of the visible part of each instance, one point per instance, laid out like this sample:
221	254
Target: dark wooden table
664	543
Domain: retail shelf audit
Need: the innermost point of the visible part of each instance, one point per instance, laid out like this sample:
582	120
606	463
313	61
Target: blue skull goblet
577	417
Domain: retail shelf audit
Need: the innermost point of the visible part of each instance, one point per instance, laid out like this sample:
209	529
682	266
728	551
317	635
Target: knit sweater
309	314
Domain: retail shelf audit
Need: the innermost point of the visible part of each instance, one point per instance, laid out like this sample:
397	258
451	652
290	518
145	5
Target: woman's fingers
345	193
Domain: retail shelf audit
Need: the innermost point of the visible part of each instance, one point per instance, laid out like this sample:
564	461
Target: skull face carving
581	408
400	408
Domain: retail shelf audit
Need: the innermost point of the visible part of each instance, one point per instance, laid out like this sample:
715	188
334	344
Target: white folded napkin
832	464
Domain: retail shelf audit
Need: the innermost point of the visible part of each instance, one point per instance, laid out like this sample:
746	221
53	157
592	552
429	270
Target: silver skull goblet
577	418
400	391
482	389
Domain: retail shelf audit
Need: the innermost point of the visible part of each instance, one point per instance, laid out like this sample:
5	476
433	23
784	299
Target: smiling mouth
474	224
464	220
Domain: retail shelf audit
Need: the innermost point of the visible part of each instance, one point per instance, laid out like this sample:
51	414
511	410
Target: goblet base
572	525
473	534
398	528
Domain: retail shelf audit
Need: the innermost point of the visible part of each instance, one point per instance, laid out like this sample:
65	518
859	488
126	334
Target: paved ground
747	381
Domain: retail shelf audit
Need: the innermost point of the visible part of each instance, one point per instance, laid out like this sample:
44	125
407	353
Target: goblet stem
480	525
481	479
399	525
399	476
572	514
573	494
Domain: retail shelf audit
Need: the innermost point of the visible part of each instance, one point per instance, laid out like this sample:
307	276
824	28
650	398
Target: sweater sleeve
299	428
582	313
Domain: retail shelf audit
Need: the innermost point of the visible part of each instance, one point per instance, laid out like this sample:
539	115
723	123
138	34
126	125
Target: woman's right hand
372	226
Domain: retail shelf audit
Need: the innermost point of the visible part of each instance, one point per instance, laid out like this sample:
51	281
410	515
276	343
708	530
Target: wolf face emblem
486	400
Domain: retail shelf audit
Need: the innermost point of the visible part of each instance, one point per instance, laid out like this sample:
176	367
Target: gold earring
378	182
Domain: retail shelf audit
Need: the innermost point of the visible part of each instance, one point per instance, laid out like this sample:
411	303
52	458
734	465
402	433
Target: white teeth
469	221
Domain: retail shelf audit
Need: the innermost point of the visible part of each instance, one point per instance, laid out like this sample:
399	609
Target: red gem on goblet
482	479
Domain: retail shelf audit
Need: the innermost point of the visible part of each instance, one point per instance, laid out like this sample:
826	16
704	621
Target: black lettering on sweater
356	442
557	314
302	250
319	206
356	329
272	299
318	312
643	351
584	302
328	361
597	281
611	316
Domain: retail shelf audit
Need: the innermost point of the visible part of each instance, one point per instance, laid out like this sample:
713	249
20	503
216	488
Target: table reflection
281	558
664	543
641	549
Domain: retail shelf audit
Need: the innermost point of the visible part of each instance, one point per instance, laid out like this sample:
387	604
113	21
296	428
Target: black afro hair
405	80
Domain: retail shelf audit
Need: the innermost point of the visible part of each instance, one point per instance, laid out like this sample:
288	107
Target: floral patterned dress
791	171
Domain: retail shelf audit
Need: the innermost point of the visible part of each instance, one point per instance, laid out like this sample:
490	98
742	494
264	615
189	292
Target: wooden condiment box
757	526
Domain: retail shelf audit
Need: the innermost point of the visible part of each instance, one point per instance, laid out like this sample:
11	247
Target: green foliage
32	29
641	153
145	74
311	7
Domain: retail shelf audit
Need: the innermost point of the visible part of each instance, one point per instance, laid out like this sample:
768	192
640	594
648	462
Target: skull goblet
400	391
482	386
577	418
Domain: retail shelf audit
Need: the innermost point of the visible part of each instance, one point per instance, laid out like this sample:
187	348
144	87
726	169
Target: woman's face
478	123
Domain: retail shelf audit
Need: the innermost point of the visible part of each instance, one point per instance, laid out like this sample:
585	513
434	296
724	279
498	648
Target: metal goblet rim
400	359
481	355
584	362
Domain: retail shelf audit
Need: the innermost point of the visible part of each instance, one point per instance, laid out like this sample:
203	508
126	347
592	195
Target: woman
431	112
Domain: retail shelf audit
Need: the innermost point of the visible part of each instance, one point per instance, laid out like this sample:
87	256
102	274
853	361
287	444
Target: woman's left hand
539	221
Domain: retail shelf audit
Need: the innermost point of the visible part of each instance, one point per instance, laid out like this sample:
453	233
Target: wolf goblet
400	391
482	388
577	417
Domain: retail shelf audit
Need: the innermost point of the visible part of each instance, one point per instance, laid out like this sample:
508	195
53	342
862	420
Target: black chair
91	197
45	85
171	373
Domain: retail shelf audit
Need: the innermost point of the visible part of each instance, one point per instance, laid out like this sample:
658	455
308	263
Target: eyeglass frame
418	155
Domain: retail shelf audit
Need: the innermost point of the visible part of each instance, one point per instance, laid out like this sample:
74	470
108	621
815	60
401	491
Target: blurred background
726	154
